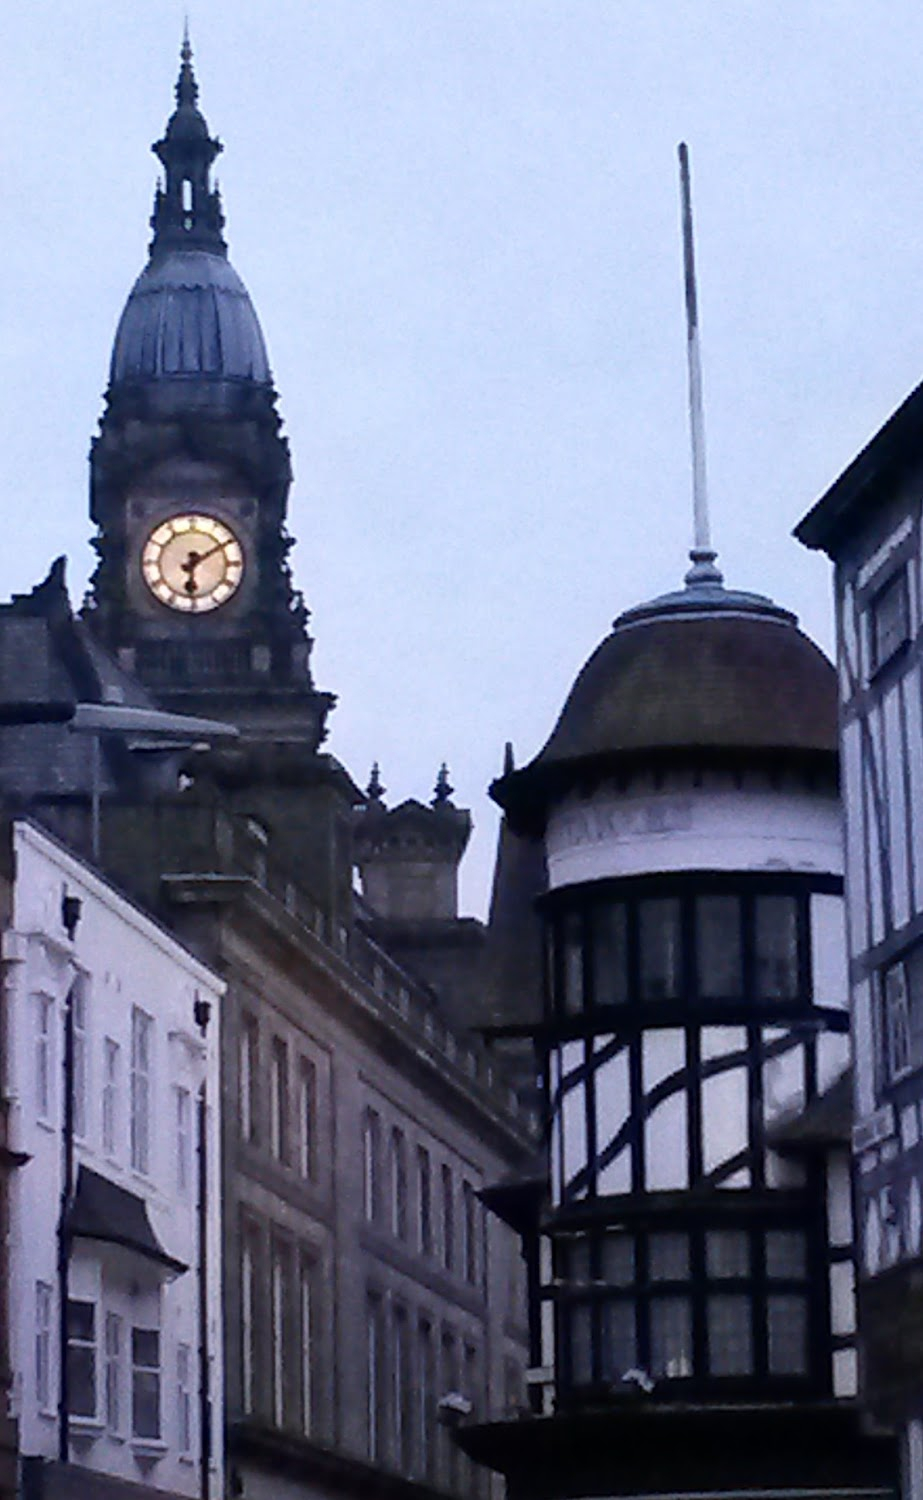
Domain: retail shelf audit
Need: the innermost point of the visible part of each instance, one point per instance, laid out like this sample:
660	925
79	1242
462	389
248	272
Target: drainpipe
70	916
201	1012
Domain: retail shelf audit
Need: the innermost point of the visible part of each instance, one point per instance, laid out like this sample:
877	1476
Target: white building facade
113	1046
869	523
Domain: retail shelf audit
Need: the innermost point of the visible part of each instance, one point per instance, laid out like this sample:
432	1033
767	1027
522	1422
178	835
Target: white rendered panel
613	1106
573	1128
663	1053
863	1047
913	703
897	804
842	1298
666	1146
724	1100
718	1041
832	1057
829	977
839	1200
555	1141
856	833
914	1219
845	1373
850	665
872	753
615	1177
716	828
613	1095
783	1077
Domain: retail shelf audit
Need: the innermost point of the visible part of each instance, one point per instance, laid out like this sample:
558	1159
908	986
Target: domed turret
706	673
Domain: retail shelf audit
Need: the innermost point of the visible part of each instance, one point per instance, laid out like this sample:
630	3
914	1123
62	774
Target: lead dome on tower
189	316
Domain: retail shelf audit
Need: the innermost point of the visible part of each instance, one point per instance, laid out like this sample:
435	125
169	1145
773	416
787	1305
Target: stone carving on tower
190	476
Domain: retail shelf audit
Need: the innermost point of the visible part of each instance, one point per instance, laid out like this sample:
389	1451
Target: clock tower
190	476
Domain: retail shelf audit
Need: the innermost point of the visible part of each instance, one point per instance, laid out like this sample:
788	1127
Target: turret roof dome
705	672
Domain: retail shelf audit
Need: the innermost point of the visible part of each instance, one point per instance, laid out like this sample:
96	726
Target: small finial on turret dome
509	764
375	791
442	792
187	90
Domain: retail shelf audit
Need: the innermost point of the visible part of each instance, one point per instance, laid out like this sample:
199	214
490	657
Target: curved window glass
691	1305
701	940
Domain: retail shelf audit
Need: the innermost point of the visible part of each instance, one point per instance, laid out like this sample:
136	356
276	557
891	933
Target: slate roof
101	1210
49	661
704	670
895	449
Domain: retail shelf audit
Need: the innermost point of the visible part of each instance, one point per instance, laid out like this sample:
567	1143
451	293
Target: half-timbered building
692	1289
869	524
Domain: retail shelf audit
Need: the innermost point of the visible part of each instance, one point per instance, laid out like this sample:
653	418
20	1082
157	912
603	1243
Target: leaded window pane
668	1257
618	1260
577	1260
580	1328
660	940
619	1340
776	948
719	952
785	1254
727	1254
610	954
671	1337
787	1319
572	935
730	1335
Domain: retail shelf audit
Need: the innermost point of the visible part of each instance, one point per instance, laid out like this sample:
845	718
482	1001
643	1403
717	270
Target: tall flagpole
702	554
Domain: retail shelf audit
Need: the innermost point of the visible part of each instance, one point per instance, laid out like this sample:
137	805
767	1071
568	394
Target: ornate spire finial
375	791
187	209
187	90
442	792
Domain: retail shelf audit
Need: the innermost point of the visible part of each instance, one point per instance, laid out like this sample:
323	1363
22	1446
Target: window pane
788	1335
727	1253
730	1336
576	1256
890	619
580	1323
718	939
671	1337
145	1403
145	1347
668	1257
659	928
81	1320
619	1343
81	1381
785	1254
610	955
572	967
776	938
618	1259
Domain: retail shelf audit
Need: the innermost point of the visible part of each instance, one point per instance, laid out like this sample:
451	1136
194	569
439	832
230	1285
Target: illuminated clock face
192	563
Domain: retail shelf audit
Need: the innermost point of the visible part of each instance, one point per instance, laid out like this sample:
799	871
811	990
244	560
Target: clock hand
192	562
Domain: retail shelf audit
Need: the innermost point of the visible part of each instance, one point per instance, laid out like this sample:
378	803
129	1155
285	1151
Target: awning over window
103	1211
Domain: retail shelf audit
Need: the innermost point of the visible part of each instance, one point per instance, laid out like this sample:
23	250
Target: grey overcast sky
458	221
